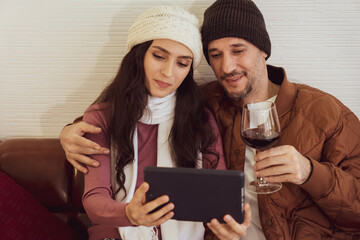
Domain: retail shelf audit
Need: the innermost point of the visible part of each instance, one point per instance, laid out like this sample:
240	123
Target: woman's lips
162	84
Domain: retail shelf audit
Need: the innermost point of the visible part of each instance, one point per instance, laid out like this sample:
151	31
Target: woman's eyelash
161	57
183	64
157	56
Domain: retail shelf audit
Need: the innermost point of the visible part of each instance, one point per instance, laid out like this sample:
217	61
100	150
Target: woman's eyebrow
162	49
166	51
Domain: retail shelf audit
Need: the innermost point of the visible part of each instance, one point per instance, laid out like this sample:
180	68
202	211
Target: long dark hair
191	132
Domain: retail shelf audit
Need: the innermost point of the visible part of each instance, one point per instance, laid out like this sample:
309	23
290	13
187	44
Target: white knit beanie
165	22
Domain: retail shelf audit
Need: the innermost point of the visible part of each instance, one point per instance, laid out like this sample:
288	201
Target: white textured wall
56	56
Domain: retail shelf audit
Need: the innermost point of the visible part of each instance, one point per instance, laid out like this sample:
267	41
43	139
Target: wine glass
260	129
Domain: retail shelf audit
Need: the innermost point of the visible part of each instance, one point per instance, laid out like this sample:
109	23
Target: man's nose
228	64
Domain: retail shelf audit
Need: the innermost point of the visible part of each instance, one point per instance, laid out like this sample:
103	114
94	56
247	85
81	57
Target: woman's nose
167	69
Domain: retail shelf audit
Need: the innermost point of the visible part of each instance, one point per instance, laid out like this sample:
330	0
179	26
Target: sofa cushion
23	217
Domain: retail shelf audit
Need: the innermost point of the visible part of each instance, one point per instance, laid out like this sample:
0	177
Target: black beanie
235	18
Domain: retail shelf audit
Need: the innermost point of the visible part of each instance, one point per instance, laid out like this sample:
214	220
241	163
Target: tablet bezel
198	194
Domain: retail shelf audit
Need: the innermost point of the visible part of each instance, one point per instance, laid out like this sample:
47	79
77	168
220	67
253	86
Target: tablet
198	194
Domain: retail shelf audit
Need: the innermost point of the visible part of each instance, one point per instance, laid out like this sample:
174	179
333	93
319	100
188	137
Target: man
317	158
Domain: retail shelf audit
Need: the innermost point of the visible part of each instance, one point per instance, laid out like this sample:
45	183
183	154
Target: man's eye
215	55
238	51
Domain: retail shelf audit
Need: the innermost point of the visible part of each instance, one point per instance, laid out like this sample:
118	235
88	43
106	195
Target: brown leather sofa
40	166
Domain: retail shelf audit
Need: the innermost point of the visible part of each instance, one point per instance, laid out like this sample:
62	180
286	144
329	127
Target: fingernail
214	222
96	164
227	218
107	151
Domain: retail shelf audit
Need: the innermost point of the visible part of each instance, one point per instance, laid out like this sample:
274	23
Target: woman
151	114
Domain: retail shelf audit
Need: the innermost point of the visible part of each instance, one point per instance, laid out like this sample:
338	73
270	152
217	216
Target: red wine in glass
256	139
260	129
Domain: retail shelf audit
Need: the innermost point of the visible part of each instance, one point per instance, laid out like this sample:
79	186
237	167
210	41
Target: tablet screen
198	194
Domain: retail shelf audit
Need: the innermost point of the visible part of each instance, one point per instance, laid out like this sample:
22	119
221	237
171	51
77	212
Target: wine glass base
263	188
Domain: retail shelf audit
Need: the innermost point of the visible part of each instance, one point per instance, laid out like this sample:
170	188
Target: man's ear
264	54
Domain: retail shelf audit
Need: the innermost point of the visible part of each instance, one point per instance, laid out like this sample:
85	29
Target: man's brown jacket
327	205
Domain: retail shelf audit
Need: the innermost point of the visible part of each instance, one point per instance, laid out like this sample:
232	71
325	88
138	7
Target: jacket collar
287	93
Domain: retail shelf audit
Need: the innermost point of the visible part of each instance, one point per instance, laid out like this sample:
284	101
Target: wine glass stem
262	181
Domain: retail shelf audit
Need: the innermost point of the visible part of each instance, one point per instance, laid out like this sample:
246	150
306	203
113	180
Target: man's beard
242	94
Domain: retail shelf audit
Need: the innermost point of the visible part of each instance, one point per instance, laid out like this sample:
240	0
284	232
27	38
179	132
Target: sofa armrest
40	166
